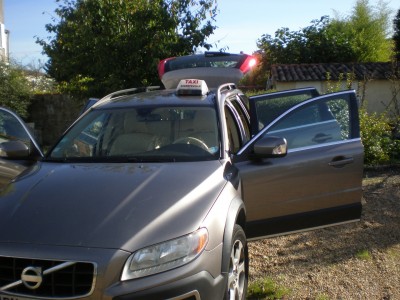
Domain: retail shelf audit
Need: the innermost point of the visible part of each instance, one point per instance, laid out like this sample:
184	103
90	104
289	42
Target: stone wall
51	115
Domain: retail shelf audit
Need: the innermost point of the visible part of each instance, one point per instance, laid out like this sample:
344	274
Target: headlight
165	256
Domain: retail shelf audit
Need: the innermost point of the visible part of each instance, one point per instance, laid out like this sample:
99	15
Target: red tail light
248	64
161	66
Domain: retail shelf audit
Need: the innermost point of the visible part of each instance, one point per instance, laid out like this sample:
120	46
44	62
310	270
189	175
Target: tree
315	43
361	37
396	35
367	31
105	45
15	90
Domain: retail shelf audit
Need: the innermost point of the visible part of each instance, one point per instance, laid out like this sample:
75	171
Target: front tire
238	271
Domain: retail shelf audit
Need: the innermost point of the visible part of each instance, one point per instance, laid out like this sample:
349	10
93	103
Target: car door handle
321	138
341	161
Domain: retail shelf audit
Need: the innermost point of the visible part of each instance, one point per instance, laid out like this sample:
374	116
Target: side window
84	140
269	109
87	142
233	131
316	123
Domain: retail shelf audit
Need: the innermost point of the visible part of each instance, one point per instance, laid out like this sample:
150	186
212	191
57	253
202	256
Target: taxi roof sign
192	87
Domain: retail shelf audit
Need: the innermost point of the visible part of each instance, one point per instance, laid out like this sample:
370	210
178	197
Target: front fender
236	215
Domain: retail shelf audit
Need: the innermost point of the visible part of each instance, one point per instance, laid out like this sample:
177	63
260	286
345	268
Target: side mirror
270	146
14	150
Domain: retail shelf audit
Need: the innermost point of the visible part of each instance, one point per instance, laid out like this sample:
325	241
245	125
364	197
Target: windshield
142	134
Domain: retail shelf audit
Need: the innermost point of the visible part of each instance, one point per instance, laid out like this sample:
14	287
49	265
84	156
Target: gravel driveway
354	261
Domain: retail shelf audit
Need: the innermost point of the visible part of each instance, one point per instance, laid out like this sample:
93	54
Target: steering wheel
191	140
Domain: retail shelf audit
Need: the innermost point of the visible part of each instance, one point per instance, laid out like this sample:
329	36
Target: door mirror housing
14	150
270	146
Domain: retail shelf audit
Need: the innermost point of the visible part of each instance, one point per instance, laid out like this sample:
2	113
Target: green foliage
379	145
308	45
118	44
78	86
363	255
266	289
361	37
336	86
322	297
367	31
15	91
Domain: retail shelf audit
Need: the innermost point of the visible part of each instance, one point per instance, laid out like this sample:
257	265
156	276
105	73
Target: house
376	83
4	35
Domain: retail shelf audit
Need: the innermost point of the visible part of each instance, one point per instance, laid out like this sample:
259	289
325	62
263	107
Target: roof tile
318	72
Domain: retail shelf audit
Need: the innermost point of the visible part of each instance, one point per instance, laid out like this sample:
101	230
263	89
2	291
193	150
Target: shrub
379	145
15	91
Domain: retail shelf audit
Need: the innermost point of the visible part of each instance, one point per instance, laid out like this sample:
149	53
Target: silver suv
155	195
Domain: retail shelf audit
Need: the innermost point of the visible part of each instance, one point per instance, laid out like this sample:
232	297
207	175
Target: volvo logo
32	277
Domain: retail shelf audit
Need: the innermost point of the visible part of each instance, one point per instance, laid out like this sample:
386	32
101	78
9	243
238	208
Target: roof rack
226	87
128	92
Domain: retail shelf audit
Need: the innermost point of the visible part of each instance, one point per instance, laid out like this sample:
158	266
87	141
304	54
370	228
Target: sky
240	23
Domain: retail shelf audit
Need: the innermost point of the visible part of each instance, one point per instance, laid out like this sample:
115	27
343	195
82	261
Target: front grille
76	280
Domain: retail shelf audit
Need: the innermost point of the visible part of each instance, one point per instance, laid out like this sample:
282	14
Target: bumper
199	286
199	279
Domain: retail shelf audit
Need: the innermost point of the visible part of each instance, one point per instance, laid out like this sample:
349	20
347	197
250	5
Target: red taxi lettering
192	81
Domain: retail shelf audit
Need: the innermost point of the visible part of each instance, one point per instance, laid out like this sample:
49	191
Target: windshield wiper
151	159
112	159
56	159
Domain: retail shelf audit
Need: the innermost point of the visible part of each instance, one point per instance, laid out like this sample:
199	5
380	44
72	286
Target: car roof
157	98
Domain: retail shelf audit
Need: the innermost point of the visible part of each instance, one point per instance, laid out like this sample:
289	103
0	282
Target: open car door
316	182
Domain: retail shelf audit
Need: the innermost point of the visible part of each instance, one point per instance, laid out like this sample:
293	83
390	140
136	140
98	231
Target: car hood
8	171
121	206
